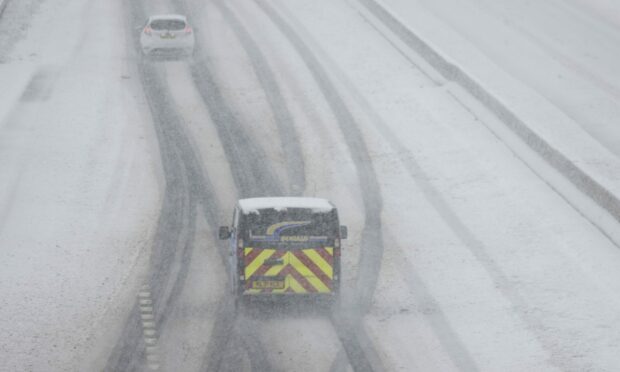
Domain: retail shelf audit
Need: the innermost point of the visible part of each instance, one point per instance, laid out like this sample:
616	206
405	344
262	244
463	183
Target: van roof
253	205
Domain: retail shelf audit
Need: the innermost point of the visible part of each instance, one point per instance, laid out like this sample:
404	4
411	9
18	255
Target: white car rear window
167	25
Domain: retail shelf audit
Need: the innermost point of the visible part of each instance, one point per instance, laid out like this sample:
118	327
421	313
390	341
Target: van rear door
263	270
289	251
271	270
312	270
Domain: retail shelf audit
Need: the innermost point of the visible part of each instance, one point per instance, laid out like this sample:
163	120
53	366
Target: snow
3	4
539	120
16	77
79	192
547	46
528	86
254	205
480	253
485	266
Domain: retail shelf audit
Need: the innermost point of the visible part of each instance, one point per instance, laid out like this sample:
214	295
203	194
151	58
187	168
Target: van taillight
336	251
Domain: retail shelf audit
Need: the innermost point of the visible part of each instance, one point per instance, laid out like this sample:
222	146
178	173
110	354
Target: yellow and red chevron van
284	246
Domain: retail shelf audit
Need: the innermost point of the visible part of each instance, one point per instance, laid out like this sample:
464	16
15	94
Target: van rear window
291	226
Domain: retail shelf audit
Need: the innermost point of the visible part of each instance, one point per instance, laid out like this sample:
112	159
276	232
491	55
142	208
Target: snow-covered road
116	171
79	194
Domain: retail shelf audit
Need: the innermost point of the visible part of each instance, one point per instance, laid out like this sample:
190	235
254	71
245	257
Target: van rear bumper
293	301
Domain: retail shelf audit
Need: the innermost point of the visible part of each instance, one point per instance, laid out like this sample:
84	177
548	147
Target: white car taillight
188	30
148	30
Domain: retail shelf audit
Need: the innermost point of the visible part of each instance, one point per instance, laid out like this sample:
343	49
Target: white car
167	34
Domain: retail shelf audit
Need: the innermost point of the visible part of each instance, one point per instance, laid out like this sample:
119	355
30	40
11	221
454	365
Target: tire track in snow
173	240
253	177
283	118
186	187
356	342
3	4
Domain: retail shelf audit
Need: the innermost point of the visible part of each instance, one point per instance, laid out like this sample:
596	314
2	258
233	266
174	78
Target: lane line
149	332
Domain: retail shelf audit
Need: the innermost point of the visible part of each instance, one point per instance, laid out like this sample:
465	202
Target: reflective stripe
307	270
303	281
325	267
274	270
258	261
250	254
302	269
326	256
294	285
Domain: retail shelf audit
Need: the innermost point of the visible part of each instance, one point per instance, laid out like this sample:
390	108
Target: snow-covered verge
550	132
79	192
565	51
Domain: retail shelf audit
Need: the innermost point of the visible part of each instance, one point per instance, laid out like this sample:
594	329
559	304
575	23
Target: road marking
149	332
147	316
151	349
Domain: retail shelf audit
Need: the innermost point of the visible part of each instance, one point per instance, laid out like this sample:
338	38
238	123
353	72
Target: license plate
268	284
167	36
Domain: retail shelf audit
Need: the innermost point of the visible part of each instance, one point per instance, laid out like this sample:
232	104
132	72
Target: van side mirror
343	232
224	232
